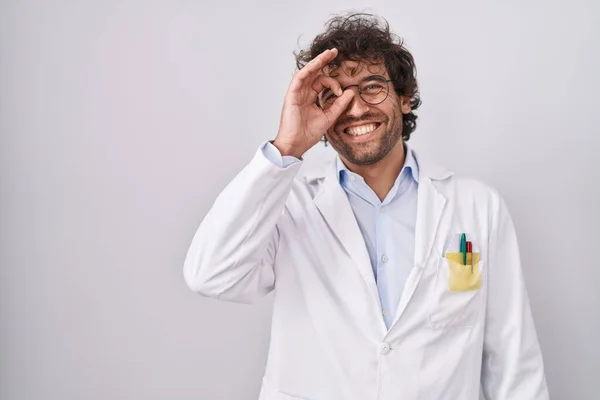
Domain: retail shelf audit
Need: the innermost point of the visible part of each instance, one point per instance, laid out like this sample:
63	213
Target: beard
372	151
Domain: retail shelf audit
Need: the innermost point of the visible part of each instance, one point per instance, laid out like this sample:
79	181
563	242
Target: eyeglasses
372	89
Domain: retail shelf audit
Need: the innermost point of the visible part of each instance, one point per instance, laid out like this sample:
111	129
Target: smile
361	129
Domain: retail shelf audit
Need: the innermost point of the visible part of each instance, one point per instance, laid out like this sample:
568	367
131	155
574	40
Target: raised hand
303	123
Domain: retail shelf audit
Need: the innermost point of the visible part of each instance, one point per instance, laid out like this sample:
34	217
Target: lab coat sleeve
232	253
512	360
273	155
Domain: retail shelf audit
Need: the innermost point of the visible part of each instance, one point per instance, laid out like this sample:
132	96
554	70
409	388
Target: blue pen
463	247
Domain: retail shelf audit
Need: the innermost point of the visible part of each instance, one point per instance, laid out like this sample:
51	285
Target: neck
381	176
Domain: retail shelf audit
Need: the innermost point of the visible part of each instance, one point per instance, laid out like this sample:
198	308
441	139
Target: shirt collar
410	166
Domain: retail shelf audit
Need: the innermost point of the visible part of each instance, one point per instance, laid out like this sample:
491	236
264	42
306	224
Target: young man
392	277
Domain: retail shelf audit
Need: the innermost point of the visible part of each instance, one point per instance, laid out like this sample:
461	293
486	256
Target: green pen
463	247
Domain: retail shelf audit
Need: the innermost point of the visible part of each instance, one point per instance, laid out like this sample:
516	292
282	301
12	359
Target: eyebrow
327	90
366	78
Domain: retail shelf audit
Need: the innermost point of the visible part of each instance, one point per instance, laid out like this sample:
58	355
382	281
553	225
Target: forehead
353	71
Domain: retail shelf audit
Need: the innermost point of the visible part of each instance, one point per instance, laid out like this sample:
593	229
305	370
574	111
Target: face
364	133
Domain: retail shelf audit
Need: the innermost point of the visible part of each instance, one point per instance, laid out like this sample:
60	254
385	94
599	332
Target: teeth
361	130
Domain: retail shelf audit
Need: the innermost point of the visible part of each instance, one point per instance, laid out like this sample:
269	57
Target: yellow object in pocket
463	277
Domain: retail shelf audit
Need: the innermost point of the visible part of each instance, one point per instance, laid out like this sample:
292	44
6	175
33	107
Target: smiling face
365	133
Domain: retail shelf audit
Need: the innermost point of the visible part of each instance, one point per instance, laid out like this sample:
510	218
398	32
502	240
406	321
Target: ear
405	104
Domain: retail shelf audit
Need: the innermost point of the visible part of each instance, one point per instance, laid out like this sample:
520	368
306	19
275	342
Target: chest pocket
456	298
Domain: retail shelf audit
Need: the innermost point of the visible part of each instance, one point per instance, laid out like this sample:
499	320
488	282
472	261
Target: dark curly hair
367	37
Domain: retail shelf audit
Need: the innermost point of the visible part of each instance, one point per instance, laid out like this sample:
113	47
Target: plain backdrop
122	120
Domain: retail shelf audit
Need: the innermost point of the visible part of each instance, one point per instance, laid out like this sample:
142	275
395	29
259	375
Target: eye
328	95
372	87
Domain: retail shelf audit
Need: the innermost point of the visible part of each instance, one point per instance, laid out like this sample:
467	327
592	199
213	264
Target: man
392	277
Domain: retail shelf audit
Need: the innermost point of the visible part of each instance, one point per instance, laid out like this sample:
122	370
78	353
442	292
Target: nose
357	106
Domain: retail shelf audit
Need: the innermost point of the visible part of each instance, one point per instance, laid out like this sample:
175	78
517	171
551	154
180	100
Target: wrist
287	150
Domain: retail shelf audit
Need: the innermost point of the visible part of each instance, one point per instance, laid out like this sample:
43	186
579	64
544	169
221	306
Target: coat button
384	348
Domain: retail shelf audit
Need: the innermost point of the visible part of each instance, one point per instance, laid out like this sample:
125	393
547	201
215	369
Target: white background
122	120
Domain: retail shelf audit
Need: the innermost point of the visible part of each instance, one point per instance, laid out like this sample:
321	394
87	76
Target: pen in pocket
463	247
470	251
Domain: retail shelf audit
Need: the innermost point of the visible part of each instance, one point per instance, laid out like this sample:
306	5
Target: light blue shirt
387	227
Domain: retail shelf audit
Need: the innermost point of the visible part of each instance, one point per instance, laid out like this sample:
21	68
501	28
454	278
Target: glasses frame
370	77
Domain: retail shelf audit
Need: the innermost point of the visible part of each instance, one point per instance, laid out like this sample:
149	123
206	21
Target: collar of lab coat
430	169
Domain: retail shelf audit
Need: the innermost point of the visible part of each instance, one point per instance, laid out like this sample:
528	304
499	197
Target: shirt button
384	312
352	177
380	210
384	348
384	258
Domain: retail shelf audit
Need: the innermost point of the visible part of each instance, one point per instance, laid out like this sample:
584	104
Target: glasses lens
373	89
326	98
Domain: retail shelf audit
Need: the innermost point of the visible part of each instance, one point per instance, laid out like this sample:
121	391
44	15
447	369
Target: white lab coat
271	229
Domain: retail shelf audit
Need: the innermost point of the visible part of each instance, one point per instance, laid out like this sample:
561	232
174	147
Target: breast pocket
456	300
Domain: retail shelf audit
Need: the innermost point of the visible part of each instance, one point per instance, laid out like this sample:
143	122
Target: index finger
313	67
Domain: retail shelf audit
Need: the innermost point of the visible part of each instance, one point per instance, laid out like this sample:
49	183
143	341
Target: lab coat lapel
332	202
430	207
